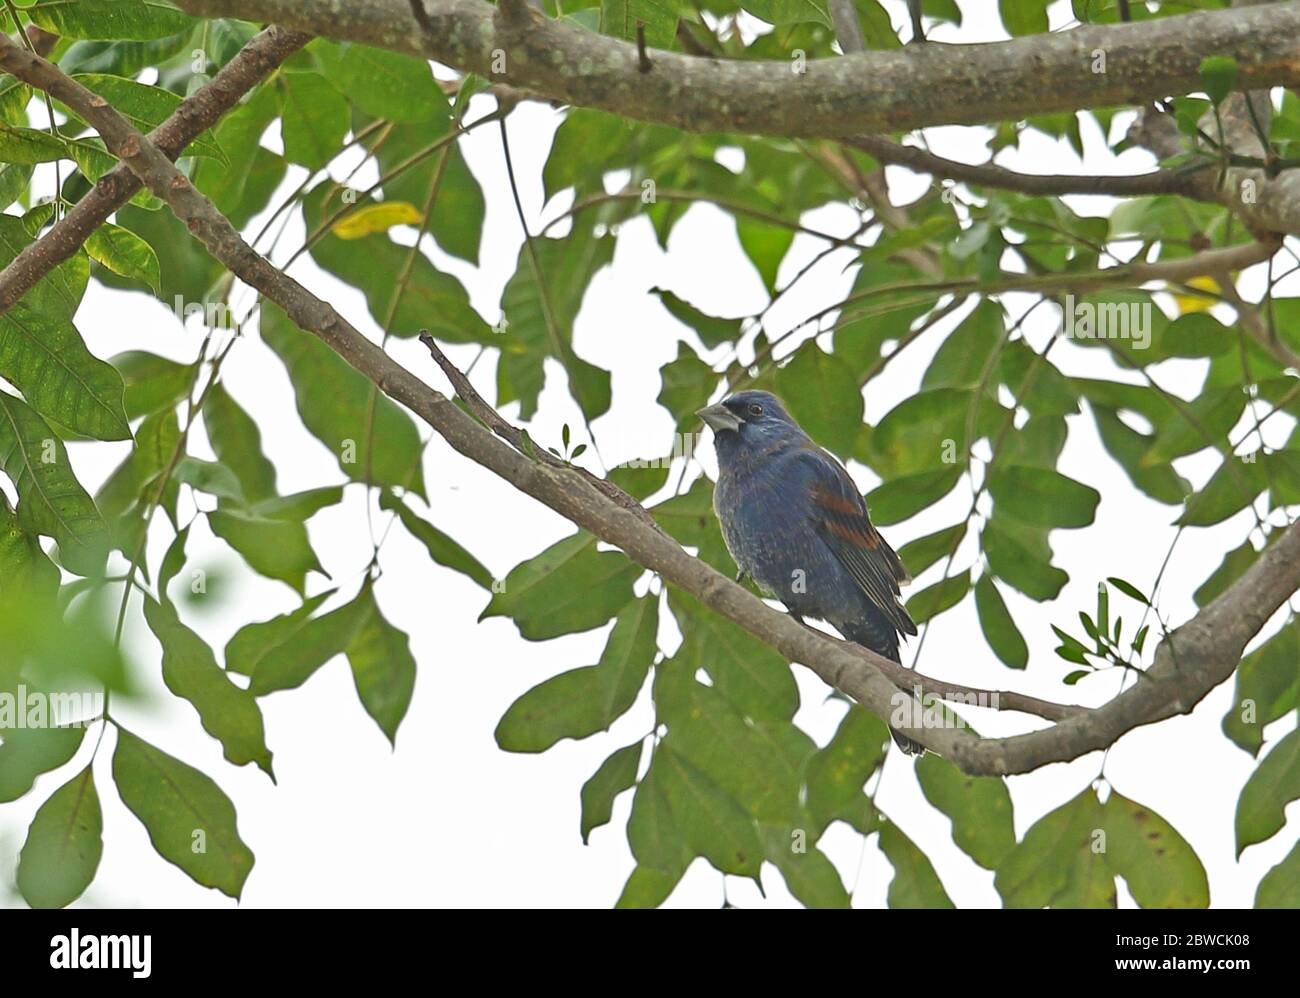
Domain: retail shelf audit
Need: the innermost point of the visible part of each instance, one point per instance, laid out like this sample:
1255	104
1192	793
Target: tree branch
1265	204
991	175
1209	646
844	97
196	113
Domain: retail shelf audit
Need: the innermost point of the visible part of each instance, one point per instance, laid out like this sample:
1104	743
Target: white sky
450	820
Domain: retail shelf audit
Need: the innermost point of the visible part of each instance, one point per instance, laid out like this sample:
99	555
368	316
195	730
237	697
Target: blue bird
795	523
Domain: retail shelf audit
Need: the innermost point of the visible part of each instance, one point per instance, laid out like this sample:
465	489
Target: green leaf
687	384
384	84
620	18
835	775
765	245
962	357
296	658
1020	556
441	548
1129	590
1273	785
382	665
59	293
647	888
581	702
300	506
822	394
979	807
920	554
1194	426
125	253
752	676
227	712
28	146
134	483
173	561
1041	496
915	884
928	430
1160	869
1232	488
51	500
569	587
999	627
63	846
656	840
810	876
124	58
26	753
712	824
1268	686
901	498
314	118
152	383
1218	76
211	477
779	12
242	186
711	330
273	548
25	568
43	356
1056	858
14	180
254	642
1280	887
110	19
427	298
146	108
943	595
567	268
457	218
1024	17
237	441
334	403
689	519
615	775
190	821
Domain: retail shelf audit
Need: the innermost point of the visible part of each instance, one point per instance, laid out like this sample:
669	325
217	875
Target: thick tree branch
844	97
196	113
1208	647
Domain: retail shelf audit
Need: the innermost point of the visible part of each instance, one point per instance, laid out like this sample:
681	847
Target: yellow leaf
1198	303
374	218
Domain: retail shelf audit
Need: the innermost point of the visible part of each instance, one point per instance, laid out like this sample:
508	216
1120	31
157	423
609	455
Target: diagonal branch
1209	646
858	94
198	112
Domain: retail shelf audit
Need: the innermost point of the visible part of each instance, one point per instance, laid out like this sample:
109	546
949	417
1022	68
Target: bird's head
749	420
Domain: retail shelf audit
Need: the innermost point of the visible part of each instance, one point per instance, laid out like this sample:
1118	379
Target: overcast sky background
448	818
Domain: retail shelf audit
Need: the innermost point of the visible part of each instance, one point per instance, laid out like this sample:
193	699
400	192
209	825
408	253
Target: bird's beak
718	418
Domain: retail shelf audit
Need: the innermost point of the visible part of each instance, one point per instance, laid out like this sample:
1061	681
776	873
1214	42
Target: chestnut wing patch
840	518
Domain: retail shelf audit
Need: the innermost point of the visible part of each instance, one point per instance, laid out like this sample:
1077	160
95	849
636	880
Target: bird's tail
883	640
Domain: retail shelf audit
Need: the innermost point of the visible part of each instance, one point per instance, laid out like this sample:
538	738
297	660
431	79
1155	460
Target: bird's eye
755	409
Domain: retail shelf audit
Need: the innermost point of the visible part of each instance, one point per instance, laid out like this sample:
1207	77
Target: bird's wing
840	517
